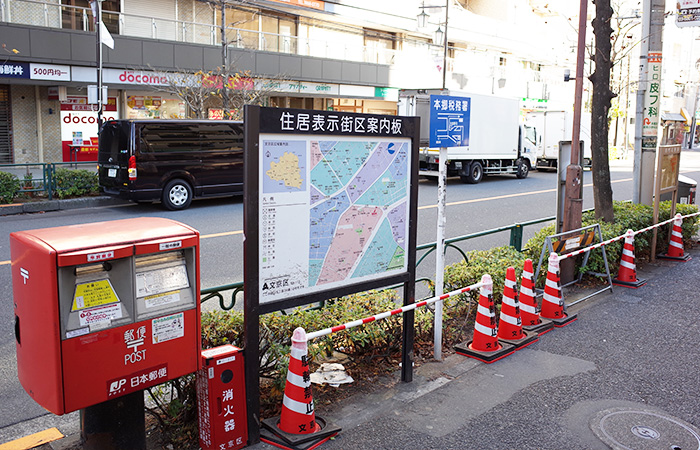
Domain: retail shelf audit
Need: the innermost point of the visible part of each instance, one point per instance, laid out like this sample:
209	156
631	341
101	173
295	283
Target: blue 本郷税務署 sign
449	121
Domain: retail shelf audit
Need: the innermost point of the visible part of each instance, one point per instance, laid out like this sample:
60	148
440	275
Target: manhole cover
638	429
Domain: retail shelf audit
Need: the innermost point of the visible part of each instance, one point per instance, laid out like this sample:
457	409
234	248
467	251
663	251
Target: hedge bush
73	183
9	187
628	216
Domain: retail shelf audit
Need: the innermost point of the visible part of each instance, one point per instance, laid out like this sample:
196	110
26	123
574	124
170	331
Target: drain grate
639	429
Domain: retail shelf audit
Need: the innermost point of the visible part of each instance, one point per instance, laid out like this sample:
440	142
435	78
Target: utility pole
648	102
573	206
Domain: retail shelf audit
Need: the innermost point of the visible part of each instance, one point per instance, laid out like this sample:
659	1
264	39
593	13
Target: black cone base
685	257
630	284
270	433
487	357
545	326
528	338
563	321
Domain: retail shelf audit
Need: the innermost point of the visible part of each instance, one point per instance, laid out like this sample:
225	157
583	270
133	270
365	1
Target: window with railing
77	15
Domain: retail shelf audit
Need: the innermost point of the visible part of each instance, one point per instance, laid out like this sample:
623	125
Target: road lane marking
519	194
33	440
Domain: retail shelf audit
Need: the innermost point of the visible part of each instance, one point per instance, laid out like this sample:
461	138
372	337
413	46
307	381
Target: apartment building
350	55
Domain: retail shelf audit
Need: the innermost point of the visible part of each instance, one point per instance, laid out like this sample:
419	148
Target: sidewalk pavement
55	205
622	376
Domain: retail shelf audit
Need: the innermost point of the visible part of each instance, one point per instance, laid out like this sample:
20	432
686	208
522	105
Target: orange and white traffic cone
552	301
485	346
627	275
675	245
510	325
298	423
528	303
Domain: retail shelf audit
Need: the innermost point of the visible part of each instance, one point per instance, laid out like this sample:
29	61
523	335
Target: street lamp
440	35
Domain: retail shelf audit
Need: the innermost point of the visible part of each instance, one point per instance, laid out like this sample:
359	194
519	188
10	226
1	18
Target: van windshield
113	139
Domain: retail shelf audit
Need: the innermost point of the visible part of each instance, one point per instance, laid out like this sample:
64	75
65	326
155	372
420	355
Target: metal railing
515	240
56	15
40	178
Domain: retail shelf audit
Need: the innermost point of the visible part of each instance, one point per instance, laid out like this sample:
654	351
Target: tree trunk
600	107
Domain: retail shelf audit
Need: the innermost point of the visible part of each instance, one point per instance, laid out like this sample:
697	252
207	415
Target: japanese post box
221	399
104	309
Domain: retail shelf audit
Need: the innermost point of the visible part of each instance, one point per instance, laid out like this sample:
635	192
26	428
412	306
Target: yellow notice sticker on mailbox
94	293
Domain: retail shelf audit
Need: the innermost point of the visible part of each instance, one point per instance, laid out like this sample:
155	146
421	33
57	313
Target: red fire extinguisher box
221	401
104	309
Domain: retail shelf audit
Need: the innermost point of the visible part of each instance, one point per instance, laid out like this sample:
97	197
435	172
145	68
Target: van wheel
177	195
523	168
475	173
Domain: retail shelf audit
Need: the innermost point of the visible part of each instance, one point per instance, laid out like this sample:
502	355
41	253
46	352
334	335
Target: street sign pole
440	252
449	127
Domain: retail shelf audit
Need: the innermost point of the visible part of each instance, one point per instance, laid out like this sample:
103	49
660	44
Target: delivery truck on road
498	143
553	127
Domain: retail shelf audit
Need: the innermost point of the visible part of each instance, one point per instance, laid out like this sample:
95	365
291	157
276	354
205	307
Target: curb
58	205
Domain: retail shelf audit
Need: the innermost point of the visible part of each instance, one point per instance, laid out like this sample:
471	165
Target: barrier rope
384	315
618	238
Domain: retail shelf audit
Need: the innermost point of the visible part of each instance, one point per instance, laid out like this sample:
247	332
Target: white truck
553	127
497	142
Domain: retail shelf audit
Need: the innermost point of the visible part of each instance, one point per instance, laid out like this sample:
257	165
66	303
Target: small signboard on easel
666	181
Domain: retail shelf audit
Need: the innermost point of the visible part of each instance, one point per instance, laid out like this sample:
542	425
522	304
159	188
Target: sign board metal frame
666	181
296	132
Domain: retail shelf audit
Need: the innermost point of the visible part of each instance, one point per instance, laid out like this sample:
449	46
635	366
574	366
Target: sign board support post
449	127
440	253
117	424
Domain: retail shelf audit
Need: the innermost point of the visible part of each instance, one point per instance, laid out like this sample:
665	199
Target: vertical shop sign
652	101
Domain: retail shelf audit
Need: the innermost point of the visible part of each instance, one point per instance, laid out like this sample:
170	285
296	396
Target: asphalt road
495	202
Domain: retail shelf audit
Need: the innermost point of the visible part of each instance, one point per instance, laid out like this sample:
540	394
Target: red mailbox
104	309
221	400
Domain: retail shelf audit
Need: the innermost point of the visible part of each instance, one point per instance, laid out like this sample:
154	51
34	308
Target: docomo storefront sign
128	77
138	78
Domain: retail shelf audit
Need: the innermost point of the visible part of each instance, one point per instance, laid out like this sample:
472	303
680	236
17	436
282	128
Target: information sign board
449	121
334	199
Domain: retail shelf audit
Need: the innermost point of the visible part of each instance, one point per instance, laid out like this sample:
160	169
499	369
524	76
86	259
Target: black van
172	161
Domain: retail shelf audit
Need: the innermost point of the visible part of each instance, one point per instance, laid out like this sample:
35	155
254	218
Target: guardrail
41	177
515	240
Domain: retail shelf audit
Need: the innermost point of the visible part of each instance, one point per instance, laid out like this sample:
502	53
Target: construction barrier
485	346
528	303
627	275
675	245
510	324
297	427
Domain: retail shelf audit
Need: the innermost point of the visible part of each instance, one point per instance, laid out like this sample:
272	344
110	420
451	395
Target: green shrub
494	262
9	186
74	183
628	216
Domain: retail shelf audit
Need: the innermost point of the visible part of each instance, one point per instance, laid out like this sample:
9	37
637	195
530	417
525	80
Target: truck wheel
475	173
522	170
177	195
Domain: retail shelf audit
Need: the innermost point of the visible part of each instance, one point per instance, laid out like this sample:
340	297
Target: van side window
170	138
221	137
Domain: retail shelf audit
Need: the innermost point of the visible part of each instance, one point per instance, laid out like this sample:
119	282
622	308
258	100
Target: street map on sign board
332	212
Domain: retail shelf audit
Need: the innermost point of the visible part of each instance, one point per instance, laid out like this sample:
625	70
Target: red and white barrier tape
610	241
394	312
